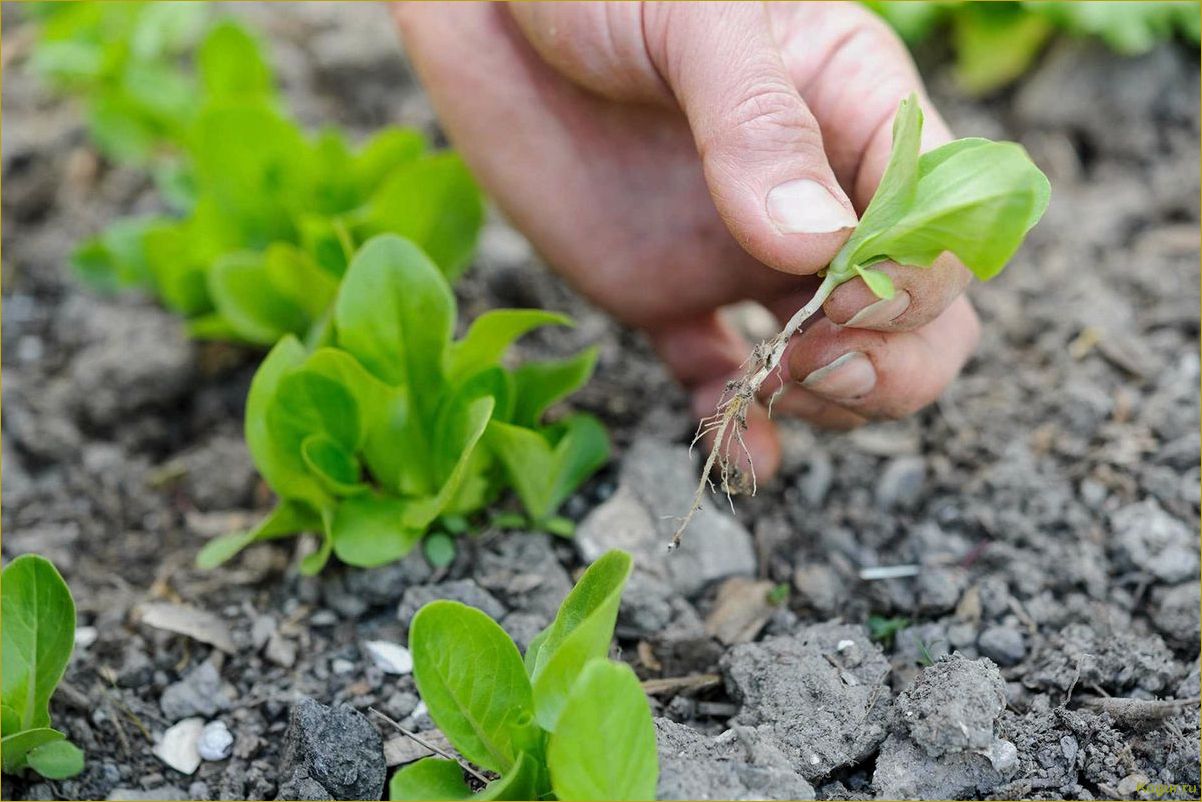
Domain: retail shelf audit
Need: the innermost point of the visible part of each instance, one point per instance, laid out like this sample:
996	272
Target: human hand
669	159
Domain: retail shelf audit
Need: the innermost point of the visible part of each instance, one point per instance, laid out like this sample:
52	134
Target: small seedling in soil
394	429
884	630
268	215
972	197
37	630
565	722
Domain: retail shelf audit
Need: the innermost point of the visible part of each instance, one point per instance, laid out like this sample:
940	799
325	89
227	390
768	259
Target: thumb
760	146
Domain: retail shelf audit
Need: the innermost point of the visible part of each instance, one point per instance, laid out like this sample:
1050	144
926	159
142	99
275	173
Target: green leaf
294	275
370	530
56	760
458	436
282	466
895	193
581	631
545	472
309	403
337	468
604	744
37	634
541	384
491	334
471	678
288	518
973	197
395	314
880	283
979	202
434	202
232	66
520	783
429	778
242	290
116	258
16	746
383	153
439	548
995	44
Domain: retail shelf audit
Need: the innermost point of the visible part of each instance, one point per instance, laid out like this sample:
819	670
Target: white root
736	400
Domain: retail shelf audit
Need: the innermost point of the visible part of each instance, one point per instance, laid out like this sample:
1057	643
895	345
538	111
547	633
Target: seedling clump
972	197
564	722
393	427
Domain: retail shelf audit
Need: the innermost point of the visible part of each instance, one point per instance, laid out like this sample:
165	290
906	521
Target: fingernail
850	376
878	313
806	207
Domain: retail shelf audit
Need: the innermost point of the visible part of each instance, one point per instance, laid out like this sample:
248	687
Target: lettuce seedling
565	722
393	424
271	214
37	634
972	197
997	42
124	60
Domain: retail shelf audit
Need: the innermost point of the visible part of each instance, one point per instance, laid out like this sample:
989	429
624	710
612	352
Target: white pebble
85	637
341	666
392	658
178	749
216	742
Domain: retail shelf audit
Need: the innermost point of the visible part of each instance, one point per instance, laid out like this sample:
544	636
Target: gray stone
1156	541
939	589
819	586
900	483
904	771
197	694
465	591
741	763
1176	612
162	792
656	482
521	569
953	706
822	694
334	750
1002	645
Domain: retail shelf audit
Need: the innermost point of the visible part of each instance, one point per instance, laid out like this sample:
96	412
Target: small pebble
1002	645
392	658
216	742
342	666
178	748
85	637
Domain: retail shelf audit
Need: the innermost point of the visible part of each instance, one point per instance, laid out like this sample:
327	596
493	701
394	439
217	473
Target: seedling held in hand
37	634
563	723
973	197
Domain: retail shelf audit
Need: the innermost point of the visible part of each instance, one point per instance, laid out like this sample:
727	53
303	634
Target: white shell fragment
178	748
391	658
216	742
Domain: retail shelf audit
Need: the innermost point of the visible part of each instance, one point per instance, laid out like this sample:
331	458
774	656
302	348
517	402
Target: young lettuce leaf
370	440
606	706
972	197
601	745
37	634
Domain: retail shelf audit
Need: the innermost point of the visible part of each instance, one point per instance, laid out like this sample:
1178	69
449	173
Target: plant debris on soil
1043	637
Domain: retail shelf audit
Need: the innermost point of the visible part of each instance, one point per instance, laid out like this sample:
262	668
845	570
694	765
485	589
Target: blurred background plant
996	42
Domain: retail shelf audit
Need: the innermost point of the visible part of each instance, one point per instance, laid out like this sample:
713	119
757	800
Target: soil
1048	503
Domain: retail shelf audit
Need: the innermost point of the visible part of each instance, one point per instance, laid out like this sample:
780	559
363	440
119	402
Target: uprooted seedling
972	197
